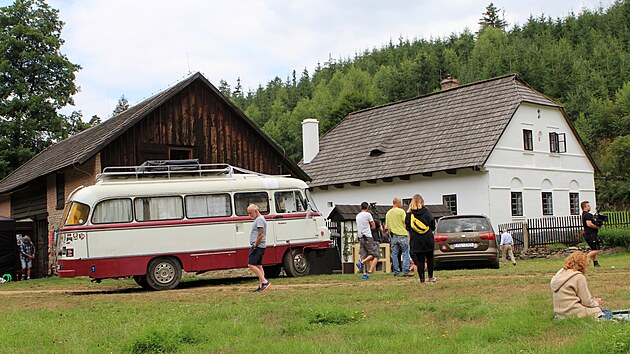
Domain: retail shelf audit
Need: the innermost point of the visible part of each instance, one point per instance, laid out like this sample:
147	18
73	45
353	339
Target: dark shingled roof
344	212
79	148
455	128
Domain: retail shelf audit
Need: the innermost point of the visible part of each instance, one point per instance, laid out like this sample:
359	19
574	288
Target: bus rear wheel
296	263
163	273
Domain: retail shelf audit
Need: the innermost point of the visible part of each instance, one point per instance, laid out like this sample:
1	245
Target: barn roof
79	148
446	130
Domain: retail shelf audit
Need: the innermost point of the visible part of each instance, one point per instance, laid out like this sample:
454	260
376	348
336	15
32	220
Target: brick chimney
449	83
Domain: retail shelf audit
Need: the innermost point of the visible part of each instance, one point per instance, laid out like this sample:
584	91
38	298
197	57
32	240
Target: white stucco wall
471	188
511	168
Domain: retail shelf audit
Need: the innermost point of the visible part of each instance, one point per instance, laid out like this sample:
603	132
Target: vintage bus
152	222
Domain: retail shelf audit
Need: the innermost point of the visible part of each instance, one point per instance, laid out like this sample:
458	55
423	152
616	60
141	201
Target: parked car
465	240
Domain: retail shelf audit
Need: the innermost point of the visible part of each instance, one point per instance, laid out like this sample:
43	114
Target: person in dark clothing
421	224
590	232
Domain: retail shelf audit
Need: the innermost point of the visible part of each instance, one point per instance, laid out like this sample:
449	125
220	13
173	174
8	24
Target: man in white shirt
368	249
507	244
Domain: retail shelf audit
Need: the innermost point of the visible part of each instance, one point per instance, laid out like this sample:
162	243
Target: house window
450	201
574	203
528	140
517	203
557	142
60	183
179	153
547	203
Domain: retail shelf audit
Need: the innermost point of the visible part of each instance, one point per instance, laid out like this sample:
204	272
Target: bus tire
272	271
142	281
296	263
163	273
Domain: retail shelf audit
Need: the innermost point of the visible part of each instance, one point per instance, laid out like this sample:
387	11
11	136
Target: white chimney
310	139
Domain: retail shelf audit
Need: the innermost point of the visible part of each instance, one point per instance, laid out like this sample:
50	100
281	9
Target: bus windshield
310	200
76	214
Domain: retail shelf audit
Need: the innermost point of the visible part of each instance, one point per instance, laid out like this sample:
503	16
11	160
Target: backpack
418	226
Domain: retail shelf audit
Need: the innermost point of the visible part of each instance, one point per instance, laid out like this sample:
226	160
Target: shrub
615	237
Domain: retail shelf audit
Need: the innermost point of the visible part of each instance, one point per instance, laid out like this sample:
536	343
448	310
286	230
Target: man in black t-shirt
590	232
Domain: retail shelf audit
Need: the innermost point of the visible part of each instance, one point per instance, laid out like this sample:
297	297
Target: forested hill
581	61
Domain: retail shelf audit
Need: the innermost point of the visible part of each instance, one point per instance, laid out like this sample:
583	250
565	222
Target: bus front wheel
164	273
296	263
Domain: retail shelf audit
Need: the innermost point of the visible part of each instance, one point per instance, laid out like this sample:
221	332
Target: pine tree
491	18
121	106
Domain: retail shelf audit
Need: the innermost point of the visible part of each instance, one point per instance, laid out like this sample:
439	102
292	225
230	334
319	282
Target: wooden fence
558	229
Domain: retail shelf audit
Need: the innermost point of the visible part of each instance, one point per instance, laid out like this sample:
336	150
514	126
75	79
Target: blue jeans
400	246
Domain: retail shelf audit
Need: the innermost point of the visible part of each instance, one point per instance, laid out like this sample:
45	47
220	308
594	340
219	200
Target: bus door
244	225
293	221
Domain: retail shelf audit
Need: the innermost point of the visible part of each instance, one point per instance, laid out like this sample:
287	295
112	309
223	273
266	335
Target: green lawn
474	311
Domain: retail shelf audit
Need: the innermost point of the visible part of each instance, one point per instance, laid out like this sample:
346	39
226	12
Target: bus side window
208	206
285	202
300	201
158	208
112	211
243	200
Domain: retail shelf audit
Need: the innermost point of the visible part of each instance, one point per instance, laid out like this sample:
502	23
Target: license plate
463	245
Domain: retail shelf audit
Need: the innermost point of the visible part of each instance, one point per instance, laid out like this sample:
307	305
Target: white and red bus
150	222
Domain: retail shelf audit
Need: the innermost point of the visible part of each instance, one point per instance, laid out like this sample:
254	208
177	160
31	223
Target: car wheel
272	271
296	263
163	273
495	265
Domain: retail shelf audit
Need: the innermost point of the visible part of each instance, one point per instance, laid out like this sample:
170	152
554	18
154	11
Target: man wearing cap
27	254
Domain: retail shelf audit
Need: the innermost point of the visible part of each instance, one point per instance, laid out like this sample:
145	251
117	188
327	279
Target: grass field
470	311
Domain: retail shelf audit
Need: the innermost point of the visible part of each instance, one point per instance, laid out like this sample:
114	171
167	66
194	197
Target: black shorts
256	255
593	241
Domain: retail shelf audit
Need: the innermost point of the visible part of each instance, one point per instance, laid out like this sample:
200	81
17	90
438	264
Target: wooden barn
190	120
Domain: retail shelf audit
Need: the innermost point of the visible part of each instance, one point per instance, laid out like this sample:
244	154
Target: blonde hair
416	203
576	261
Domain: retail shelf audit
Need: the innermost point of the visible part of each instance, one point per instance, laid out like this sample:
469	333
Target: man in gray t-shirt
258	242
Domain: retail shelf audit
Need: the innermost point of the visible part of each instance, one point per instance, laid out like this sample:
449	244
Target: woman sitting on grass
571	297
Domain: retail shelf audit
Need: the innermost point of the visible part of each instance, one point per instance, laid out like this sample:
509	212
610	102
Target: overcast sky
140	47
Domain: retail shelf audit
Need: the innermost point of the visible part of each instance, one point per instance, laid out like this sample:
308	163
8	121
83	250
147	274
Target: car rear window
463	224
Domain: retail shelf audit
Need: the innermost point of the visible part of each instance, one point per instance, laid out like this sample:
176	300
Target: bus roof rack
172	168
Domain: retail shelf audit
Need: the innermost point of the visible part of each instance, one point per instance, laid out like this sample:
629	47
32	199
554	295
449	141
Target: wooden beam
340	185
452	171
388	179
427	174
405	177
371	181
356	184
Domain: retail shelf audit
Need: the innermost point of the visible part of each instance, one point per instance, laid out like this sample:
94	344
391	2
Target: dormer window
557	142
376	152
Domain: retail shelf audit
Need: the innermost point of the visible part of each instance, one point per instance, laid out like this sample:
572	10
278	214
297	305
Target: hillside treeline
581	60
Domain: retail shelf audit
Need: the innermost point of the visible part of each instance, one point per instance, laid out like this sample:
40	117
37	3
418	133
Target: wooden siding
30	201
195	118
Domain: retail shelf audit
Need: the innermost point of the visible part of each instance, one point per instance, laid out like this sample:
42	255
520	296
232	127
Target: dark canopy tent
8	247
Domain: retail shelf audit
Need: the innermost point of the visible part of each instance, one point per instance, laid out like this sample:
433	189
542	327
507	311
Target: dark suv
465	240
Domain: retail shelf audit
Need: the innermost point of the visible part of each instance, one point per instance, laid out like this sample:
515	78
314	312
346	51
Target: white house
496	147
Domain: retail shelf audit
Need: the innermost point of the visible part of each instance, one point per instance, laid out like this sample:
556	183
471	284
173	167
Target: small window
289	202
158	208
528	140
450	201
60	183
76	214
208	206
517	203
179	153
547	203
557	142
243	200
574	203
112	211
